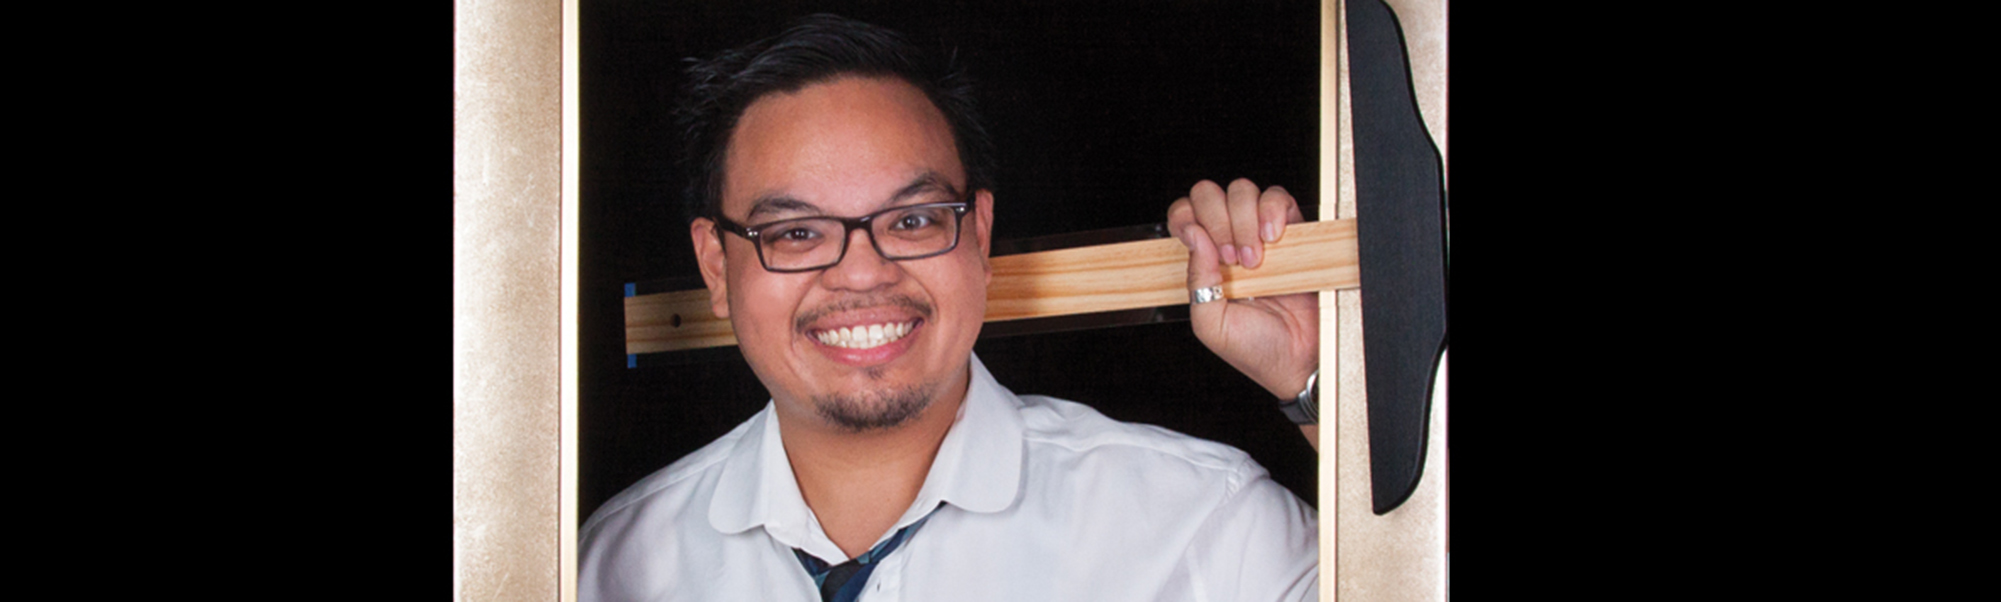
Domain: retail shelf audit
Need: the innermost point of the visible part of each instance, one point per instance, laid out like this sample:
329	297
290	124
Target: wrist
1304	407
1286	383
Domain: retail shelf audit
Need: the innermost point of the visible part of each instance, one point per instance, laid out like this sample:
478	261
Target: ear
983	229
715	266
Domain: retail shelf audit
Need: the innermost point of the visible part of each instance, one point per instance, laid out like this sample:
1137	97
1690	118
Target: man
843	197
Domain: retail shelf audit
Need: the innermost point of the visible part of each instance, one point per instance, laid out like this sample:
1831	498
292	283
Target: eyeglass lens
900	233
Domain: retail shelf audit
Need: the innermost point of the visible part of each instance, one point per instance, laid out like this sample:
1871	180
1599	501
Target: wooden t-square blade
1311	256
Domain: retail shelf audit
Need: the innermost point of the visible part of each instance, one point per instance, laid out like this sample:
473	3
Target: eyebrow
925	182
780	203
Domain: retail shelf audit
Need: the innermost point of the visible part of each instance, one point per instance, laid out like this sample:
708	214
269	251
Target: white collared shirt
1044	499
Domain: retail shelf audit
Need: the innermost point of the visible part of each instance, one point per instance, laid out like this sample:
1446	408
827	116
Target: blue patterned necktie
844	582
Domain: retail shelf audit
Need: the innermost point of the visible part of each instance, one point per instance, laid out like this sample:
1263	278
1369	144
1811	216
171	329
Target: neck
859	483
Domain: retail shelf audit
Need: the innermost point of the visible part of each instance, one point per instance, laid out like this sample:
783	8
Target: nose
861	268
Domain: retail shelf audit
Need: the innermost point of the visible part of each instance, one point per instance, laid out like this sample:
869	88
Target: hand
1273	340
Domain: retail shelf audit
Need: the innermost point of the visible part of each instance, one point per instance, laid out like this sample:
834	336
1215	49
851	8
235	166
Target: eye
796	235
913	221
792	237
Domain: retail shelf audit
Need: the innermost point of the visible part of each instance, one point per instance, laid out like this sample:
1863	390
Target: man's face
847	148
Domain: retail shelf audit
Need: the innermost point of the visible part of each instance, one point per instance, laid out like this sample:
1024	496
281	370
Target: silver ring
1205	295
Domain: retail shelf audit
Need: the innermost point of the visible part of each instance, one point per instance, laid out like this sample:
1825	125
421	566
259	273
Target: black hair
812	50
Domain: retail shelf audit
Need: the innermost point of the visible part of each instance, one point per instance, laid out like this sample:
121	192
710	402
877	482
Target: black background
1103	113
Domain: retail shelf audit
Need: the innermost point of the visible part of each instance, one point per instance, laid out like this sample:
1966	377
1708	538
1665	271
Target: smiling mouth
865	336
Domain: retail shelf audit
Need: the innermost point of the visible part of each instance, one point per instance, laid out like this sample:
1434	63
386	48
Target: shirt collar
756	486
978	468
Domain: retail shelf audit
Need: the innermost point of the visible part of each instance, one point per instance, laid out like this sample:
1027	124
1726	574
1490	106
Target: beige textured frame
1401	555
514	259
514	268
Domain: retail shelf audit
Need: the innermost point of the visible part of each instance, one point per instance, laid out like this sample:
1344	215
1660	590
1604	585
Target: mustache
862	302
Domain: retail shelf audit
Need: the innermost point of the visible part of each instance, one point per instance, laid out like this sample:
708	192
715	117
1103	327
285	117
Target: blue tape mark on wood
631	289
631	360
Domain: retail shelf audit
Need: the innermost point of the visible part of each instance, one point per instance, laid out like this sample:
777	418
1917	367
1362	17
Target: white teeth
865	337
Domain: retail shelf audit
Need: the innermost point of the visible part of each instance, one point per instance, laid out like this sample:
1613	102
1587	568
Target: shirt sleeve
1262	543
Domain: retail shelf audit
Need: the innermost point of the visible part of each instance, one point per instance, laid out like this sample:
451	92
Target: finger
1212	211
1179	216
1243	203
1203	271
1276	208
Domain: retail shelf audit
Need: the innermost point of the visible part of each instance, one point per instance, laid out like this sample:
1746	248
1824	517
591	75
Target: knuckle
1204	188
1276	196
1243	193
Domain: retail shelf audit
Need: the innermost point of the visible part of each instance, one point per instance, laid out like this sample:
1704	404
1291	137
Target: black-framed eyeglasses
805	244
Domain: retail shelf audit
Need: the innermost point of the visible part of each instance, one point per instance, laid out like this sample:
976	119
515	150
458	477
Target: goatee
875	410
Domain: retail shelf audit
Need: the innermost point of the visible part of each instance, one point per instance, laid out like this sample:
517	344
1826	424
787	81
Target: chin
881	409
